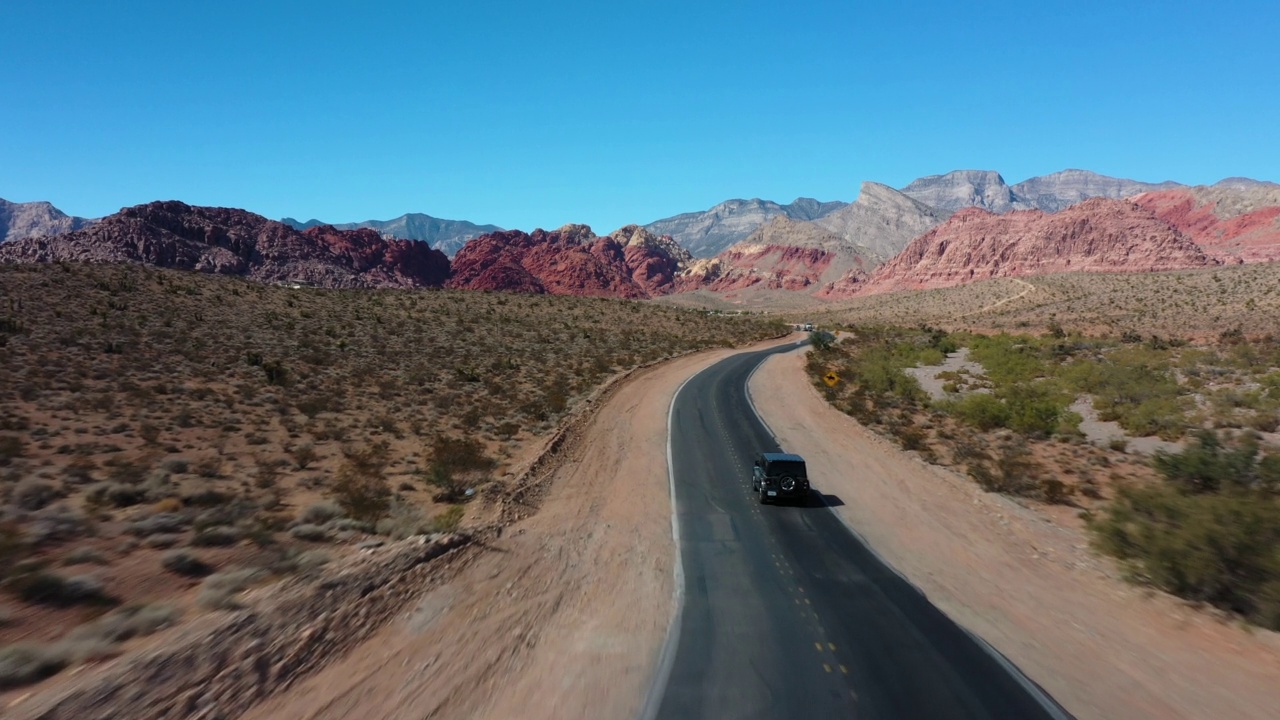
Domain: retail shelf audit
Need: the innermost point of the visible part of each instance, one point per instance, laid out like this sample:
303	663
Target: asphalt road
786	614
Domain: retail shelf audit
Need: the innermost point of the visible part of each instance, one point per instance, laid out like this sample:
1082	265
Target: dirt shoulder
563	615
1024	583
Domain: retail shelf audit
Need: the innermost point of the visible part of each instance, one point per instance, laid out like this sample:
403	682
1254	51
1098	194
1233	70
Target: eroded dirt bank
1026	584
565	613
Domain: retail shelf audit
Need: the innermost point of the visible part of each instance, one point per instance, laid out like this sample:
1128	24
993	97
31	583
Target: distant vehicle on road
780	476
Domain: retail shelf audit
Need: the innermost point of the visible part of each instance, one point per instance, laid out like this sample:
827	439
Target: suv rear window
781	467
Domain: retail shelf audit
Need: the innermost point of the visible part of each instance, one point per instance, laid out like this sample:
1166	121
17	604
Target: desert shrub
1208	465
219	591
310	533
206	497
11	448
349	525
216	536
127	622
162	541
185	563
84	556
983	411
115	494
1035	409
57	523
26	663
320	513
46	588
360	485
404	520
821	340
448	520
33	494
1009	359
177	466
303	455
1215	548
1210	532
292	561
1013	472
456	464
166	523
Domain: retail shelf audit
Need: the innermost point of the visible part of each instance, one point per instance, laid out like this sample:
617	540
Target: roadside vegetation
169	440
1199	518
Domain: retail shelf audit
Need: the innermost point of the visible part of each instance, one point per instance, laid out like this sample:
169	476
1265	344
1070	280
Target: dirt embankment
562	617
218	666
1024	582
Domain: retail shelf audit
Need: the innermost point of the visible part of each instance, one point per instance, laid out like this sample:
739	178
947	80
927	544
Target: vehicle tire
764	499
787	483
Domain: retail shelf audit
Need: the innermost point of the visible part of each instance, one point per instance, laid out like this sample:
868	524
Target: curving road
786	614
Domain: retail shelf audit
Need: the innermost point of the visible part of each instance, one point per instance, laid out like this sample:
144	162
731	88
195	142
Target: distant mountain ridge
709	232
229	241
35	219
988	190
447	236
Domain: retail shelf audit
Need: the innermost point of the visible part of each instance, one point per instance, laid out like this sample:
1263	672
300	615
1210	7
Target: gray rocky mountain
881	221
709	232
35	219
986	189
447	236
1059	190
966	188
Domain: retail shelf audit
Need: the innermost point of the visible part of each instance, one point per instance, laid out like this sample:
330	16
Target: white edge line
1050	705
667	657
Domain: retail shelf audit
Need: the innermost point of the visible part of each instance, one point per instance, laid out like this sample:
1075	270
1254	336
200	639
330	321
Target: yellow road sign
831	378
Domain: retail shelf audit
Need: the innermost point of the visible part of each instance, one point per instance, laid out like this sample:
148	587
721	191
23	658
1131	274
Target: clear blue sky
527	114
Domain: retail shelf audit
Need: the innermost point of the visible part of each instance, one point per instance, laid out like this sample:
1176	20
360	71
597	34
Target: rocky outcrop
1098	235
1234	221
447	236
630	263
228	241
881	222
710	232
35	219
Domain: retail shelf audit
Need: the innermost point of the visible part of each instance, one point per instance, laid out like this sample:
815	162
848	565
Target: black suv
780	476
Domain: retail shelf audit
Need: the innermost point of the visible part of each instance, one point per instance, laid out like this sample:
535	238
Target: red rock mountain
237	242
1232	223
1098	235
629	263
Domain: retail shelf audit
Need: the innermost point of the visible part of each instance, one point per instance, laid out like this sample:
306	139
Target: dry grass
144	412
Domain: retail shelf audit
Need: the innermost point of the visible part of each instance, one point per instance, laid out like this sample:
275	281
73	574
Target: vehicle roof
781	457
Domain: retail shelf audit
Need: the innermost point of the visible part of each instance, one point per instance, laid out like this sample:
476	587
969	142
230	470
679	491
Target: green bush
1219	549
1207	466
981	410
1210	532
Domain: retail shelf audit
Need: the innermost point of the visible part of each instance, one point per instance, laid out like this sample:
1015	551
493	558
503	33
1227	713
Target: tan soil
1023	578
563	617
